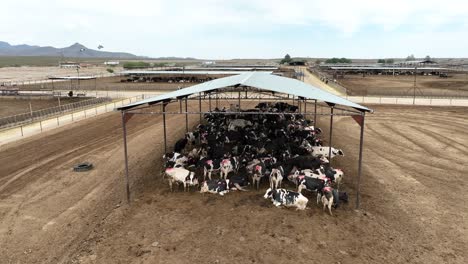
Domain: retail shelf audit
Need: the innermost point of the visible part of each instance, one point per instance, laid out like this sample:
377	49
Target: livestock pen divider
24	130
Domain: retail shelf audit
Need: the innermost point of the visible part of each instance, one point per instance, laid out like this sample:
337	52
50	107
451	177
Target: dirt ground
102	84
29	73
12	106
413	195
455	85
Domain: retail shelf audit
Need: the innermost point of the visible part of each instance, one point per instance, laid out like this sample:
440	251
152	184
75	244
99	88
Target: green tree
287	59
428	58
381	61
338	60
410	58
109	70
390	61
136	65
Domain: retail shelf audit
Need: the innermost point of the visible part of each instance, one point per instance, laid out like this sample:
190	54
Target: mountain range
74	51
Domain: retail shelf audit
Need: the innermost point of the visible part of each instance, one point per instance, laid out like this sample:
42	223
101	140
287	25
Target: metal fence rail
25	118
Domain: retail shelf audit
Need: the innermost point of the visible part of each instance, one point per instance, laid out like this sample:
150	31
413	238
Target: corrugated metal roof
258	80
71	77
387	68
187	72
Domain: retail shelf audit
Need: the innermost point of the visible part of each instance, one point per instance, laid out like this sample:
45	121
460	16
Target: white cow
181	175
319	151
241	123
326	197
276	177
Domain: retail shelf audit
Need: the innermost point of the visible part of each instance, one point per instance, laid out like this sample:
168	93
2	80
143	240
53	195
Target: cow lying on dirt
222	187
181	175
287	198
318	151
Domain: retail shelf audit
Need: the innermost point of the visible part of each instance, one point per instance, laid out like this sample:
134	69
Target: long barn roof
260	80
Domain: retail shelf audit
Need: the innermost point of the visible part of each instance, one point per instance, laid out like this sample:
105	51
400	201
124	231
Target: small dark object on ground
343	196
85	166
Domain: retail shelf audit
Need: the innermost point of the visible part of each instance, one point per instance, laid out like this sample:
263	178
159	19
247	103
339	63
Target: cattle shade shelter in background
248	86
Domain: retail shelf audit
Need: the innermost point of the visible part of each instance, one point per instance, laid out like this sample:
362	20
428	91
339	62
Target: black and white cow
220	186
287	198
227	166
311	184
258	171
335	175
276	177
238	123
318	151
329	197
192	137
210	166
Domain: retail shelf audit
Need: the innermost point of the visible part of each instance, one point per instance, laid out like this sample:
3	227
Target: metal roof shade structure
187	72
260	80
71	77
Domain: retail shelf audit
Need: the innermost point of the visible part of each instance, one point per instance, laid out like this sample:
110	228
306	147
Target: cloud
157	27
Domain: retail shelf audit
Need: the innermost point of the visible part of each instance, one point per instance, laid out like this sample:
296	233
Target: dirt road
412	211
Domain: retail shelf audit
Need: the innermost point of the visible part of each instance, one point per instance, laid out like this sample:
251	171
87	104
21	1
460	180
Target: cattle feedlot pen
215	87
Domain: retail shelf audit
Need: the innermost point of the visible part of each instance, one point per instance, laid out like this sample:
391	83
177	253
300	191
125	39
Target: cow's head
268	193
204	187
191	179
324	160
301	186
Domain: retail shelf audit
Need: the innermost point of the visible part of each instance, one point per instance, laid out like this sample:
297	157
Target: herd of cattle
167	79
273	144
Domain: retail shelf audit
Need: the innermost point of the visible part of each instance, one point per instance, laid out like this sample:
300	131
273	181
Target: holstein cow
220	186
238	123
323	151
276	177
311	184
335	175
287	198
227	166
329	197
210	166
192	137
181	175
257	173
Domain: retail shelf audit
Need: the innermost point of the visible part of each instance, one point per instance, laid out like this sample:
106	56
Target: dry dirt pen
410	212
103	84
456	85
18	105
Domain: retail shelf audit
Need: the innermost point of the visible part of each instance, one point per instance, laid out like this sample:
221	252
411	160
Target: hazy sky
214	29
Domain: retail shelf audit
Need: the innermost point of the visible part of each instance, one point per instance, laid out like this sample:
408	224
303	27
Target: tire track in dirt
91	147
437	137
394	143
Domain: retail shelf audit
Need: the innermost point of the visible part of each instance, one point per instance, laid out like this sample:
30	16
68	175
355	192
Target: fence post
85	113
22	134
72	117
58	124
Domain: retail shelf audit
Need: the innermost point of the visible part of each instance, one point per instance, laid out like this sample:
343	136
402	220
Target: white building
112	63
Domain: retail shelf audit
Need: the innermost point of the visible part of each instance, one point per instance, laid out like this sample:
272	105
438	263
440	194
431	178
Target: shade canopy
259	80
